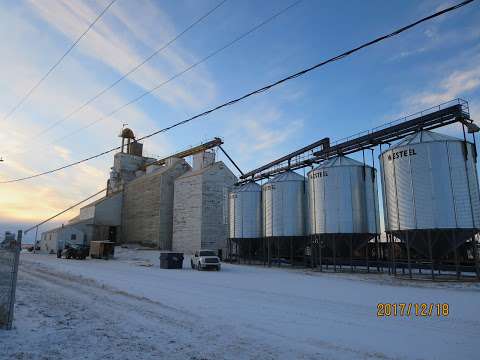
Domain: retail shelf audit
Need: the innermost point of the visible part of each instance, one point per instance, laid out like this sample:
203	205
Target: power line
263	23
260	90
30	92
64	211
212	54
132	70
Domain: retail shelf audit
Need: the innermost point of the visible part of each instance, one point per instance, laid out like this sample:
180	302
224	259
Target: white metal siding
199	209
433	189
283	200
245	211
341	200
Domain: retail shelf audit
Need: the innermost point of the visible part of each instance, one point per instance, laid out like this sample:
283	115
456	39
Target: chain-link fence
9	257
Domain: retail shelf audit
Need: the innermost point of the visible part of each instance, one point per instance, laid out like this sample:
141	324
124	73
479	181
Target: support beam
408	258
455	253
431	254
394	131
231	160
324	143
429	119
475	255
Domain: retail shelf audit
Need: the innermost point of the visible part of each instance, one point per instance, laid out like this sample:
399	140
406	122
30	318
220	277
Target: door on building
112	233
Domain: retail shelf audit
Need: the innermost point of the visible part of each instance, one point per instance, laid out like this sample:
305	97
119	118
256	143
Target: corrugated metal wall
148	207
200	209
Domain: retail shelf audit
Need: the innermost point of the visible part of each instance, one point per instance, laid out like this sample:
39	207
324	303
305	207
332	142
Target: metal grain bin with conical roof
343	200
245	212
430	189
283	200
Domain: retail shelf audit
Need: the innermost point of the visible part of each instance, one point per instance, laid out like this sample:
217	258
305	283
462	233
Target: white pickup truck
205	259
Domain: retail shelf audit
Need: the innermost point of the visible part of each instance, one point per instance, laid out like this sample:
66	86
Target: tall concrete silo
343	204
430	191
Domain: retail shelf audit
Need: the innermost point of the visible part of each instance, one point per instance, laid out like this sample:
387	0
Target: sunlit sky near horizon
433	63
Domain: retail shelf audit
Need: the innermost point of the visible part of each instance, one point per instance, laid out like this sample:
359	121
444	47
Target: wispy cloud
109	43
456	84
33	201
408	53
437	34
261	134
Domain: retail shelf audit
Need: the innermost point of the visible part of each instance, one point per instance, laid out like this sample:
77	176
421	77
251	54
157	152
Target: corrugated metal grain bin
283	199
430	187
342	199
245	212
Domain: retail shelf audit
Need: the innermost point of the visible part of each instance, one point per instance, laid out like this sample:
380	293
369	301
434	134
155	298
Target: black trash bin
171	260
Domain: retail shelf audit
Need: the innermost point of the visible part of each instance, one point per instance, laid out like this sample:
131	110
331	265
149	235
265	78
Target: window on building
73	237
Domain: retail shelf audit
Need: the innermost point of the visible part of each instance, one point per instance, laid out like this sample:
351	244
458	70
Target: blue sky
433	63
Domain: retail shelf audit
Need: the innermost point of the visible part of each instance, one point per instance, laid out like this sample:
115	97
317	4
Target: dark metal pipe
324	143
231	160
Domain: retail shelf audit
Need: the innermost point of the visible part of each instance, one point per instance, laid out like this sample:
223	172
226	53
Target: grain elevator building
148	205
200	214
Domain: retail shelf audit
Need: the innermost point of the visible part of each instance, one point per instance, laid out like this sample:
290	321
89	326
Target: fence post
35	241
9	256
18	248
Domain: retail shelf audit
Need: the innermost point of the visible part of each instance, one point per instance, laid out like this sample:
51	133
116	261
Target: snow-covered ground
129	308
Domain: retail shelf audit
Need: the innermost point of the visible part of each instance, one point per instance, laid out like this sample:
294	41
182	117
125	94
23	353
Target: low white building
52	240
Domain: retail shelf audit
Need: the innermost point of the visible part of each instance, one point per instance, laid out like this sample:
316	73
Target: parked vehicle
74	251
205	259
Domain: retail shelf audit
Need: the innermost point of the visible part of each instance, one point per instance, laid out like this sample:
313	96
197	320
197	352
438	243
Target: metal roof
248	187
424	136
286	176
339	161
